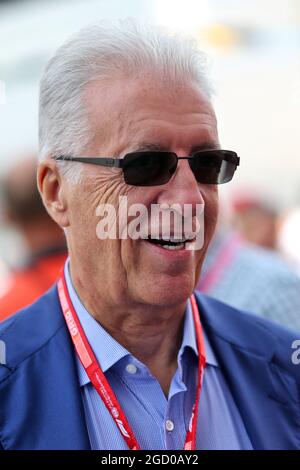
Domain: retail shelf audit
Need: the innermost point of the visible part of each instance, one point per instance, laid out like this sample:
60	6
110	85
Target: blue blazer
40	398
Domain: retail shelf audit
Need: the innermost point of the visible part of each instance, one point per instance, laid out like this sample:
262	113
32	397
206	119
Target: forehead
129	112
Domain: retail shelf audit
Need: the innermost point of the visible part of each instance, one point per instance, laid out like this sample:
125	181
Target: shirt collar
189	338
108	351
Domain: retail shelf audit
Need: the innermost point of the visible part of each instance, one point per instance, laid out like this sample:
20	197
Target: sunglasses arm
103	161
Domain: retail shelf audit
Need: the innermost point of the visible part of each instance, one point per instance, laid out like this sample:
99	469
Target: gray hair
101	52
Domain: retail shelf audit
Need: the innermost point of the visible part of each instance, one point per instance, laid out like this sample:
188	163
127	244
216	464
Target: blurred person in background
235	271
255	220
289	237
44	240
5	278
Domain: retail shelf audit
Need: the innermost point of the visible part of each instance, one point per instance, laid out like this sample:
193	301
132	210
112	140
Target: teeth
169	239
173	247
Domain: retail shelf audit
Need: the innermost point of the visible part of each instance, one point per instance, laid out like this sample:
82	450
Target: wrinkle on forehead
121	112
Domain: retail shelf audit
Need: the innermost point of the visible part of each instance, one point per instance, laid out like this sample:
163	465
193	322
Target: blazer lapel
43	405
265	394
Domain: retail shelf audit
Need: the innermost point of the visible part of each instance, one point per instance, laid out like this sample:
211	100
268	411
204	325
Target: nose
183	188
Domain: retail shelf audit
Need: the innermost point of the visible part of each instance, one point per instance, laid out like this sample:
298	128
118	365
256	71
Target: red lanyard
98	378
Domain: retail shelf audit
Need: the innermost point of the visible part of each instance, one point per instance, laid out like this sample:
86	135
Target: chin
167	291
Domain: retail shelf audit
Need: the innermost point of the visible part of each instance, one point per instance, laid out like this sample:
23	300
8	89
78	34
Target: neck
150	333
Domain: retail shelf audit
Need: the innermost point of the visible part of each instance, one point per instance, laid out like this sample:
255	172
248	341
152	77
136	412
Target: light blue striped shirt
158	422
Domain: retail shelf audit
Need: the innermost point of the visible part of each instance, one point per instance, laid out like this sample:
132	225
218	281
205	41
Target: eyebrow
205	146
152	146
143	146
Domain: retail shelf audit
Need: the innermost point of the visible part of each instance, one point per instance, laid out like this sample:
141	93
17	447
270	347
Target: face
141	113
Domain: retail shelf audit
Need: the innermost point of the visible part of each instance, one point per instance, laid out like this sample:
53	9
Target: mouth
170	244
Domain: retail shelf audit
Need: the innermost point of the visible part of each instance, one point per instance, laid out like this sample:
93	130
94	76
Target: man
44	240
114	356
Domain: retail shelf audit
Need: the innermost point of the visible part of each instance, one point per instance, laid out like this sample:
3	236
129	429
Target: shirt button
169	425
131	369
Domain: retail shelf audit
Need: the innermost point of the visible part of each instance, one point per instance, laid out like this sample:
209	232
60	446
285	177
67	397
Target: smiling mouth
171	244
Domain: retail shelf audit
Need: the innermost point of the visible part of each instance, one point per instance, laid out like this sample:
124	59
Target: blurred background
254	60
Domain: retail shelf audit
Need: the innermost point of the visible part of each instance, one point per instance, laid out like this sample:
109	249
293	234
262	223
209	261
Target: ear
53	190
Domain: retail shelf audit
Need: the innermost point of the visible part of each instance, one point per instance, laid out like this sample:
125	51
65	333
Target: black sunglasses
153	168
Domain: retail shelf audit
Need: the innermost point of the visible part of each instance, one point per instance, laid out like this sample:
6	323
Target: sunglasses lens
213	166
149	168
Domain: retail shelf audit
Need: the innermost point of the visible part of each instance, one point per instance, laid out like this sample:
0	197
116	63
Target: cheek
101	208
100	190
210	196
